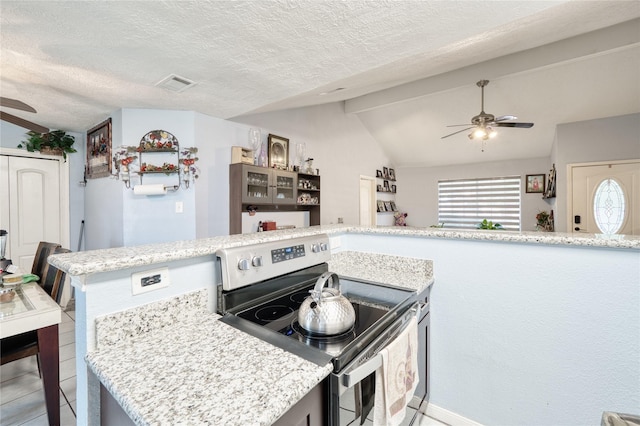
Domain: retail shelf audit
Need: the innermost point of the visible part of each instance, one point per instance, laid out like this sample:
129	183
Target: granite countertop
173	361
104	260
193	369
392	271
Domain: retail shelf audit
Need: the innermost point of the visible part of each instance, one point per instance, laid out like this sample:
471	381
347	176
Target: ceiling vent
175	83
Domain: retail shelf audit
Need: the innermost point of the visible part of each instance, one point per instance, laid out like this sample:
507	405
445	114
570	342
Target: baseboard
442	415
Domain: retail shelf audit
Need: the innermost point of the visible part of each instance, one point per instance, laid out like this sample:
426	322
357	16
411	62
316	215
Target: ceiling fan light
480	133
492	133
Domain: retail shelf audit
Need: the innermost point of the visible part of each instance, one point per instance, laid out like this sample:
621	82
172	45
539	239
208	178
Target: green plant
54	139
488	225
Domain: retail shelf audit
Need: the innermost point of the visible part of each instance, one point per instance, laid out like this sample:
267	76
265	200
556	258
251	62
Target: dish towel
397	379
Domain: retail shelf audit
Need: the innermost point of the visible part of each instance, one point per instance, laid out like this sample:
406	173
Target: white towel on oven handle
397	379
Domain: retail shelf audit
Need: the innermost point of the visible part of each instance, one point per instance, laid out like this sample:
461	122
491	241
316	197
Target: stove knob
256	261
323	246
243	264
315	248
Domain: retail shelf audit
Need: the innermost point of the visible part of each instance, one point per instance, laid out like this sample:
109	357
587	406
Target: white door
34	206
606	198
367	201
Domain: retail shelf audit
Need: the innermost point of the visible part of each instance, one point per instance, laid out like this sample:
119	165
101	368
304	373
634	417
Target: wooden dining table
33	309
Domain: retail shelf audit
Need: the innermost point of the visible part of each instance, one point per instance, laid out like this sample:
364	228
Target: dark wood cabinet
271	190
309	411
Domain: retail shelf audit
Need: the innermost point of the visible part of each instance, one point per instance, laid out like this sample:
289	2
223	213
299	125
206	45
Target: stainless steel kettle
326	311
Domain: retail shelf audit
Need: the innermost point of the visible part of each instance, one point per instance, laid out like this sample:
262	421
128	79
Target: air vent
175	83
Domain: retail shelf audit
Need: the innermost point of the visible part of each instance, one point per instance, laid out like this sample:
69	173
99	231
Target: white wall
528	334
612	138
418	188
341	148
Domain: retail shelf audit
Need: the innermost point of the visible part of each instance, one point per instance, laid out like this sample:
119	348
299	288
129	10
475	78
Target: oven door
352	390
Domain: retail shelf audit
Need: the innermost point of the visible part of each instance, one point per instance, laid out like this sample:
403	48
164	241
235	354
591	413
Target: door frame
64	189
570	168
372	190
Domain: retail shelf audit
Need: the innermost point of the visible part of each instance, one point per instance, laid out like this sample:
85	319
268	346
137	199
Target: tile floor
21	390
22	394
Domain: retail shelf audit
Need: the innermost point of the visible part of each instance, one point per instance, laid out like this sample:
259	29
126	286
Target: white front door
605	198
33	186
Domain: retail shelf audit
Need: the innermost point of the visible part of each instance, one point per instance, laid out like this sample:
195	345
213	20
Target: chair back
40	264
52	280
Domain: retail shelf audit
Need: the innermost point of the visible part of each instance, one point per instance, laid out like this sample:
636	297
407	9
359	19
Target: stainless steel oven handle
350	377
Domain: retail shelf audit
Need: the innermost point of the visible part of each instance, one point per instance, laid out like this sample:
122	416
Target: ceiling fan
484	123
19	105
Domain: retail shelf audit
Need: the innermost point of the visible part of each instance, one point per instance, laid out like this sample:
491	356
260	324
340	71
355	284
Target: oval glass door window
609	206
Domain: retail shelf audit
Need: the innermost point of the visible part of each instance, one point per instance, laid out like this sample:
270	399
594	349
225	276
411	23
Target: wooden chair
43	252
26	344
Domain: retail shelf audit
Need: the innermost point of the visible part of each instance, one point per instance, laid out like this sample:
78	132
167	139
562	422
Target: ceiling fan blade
23	123
459	131
505	117
16	104
521	125
458	125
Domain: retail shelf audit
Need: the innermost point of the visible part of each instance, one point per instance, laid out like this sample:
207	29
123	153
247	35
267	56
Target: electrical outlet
142	282
179	207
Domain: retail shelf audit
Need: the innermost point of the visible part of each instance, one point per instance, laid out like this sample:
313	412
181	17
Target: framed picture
99	150
393	189
379	173
535	184
278	148
392	174
387	206
386	185
379	188
393	206
385	173
381	206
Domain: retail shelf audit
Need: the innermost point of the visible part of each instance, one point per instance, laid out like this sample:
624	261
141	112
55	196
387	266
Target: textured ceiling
77	62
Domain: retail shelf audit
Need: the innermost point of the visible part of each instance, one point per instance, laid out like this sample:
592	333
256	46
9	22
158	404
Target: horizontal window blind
465	203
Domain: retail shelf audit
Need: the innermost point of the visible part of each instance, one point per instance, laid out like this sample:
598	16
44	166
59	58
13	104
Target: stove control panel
247	265
287	253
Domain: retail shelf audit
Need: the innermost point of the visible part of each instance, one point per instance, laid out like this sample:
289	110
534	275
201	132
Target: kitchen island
504	305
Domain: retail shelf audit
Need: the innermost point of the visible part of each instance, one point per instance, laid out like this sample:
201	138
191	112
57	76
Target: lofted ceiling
406	68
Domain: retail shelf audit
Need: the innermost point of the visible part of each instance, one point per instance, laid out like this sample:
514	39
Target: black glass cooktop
281	315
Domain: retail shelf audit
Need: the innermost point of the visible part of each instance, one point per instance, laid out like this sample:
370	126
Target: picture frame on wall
381	206
99	150
534	184
392	174
379	188
393	206
385	172
379	173
386	186
278	149
393	188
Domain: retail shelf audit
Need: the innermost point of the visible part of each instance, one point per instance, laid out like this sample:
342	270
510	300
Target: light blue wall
528	334
151	219
215	139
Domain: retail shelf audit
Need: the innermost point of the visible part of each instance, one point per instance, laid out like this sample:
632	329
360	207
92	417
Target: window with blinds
464	203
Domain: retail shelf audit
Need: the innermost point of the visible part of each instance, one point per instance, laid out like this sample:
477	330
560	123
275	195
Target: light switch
179	207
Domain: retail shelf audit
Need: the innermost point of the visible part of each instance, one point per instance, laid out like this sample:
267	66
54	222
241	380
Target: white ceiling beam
620	36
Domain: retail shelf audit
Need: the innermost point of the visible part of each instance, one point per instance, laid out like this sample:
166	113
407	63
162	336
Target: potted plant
488	224
56	142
